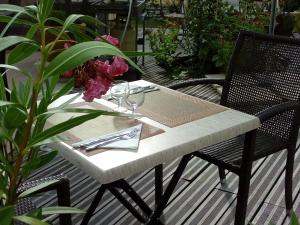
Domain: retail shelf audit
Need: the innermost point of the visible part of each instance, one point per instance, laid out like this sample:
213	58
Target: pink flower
95	88
114	41
102	67
68	74
118	67
67	45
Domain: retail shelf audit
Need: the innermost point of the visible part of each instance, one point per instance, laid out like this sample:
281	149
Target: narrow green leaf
32	30
16	68
6	214
60	210
6	103
294	219
54	139
8	167
10	23
81	110
38	162
59	128
36	188
64	90
79	54
3	87
6	19
14	117
6	42
21	52
70	20
11	8
44	8
30	220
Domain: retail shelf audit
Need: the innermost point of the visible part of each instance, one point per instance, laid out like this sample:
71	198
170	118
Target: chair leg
289	180
242	198
63	196
222	175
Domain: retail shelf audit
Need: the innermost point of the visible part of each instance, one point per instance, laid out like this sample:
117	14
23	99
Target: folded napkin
128	141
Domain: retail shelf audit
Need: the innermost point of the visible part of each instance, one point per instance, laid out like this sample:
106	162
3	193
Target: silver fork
127	136
86	144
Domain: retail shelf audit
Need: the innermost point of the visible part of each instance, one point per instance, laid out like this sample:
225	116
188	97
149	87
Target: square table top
175	141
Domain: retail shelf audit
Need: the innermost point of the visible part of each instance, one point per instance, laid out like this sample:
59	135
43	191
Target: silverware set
96	143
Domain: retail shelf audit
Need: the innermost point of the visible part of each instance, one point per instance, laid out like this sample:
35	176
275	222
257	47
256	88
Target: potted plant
25	109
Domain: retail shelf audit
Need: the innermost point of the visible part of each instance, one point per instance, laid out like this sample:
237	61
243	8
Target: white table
113	165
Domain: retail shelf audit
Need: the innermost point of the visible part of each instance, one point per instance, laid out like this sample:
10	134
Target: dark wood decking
199	198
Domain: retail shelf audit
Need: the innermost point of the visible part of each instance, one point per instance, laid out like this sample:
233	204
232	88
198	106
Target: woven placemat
99	126
173	108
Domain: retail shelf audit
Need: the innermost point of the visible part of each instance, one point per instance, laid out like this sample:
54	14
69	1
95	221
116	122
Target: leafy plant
24	109
213	27
164	42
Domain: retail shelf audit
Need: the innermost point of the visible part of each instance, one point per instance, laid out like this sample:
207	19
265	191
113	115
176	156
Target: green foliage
213	27
164	42
24	114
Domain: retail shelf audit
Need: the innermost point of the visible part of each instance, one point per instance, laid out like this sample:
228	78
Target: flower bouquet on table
96	75
24	108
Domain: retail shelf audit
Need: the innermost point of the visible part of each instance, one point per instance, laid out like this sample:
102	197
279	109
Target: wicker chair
263	79
62	187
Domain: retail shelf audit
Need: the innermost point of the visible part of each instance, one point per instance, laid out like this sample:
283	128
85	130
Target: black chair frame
243	165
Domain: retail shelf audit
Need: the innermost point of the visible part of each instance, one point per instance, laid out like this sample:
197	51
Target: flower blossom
118	67
114	41
95	88
96	75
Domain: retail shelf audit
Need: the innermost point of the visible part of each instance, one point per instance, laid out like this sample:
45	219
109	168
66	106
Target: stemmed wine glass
135	97
118	90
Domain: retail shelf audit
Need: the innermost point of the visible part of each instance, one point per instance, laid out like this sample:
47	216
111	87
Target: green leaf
81	110
32	30
60	210
15	68
44	9
6	214
10	23
64	90
79	54
38	162
8	167
14	117
11	8
59	128
294	219
21	52
6	103
70	20
36	188
30	220
53	139
6	42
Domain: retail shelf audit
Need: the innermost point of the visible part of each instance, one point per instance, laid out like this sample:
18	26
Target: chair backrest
264	71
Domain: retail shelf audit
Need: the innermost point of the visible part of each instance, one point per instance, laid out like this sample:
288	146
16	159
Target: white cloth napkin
131	143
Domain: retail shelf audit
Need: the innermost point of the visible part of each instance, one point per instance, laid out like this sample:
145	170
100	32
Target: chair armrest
196	82
278	109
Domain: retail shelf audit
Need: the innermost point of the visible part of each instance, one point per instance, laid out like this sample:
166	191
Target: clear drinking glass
135	97
118	90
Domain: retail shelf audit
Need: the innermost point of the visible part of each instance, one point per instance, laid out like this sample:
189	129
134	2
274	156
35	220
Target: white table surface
114	164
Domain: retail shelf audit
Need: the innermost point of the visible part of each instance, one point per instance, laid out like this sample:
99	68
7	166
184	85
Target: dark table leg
154	218
94	205
158	183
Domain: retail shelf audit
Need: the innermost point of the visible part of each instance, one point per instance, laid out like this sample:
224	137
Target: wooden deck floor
199	198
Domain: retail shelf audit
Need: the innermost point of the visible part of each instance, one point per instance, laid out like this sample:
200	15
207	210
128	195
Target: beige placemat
173	108
100	126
